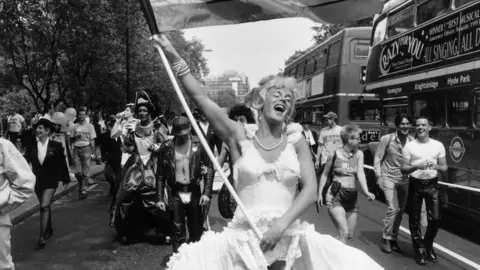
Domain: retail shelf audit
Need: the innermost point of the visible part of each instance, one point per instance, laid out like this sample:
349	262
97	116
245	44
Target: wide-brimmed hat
142	99
181	126
45	121
331	115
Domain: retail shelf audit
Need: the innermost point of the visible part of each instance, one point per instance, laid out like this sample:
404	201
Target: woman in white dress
270	160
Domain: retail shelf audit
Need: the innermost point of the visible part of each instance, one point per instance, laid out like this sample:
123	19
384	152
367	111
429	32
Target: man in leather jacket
180	167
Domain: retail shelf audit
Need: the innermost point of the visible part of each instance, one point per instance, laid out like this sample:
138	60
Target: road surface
83	240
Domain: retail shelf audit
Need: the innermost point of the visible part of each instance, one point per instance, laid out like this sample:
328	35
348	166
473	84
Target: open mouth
279	108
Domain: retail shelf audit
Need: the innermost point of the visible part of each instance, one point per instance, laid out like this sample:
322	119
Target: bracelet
181	68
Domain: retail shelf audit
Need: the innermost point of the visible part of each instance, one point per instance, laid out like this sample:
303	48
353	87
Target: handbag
330	177
226	203
335	188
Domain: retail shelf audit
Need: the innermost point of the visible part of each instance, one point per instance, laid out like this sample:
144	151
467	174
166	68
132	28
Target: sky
255	49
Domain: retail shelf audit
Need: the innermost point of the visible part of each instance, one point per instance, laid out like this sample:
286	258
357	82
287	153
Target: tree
15	97
226	99
57	47
74	52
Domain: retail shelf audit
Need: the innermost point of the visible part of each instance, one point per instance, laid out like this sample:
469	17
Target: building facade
228	88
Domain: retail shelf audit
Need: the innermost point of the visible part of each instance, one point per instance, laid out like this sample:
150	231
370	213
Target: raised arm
224	127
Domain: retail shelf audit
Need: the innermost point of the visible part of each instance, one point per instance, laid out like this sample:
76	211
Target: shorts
345	197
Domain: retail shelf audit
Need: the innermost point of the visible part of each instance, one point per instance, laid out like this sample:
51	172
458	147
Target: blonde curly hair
274	82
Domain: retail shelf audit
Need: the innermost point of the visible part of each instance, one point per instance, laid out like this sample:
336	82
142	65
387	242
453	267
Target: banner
451	39
181	14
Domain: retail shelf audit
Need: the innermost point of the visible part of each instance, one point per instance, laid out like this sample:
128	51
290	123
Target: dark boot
49	233
41	242
431	255
395	247
420	257
386	247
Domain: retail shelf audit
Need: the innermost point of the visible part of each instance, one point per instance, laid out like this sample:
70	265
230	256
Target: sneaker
386	246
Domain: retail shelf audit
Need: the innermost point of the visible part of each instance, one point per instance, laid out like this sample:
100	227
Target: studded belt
424	182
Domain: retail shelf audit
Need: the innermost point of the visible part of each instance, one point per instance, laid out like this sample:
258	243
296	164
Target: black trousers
424	190
192	211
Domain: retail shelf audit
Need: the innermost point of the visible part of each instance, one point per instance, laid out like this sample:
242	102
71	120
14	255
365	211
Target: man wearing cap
180	168
16	186
328	141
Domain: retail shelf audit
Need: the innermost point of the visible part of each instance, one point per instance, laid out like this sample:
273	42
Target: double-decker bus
331	75
425	61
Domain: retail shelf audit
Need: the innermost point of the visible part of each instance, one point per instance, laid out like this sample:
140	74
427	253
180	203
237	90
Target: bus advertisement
423	59
331	75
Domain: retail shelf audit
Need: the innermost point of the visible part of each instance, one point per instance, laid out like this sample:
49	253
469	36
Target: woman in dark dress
49	166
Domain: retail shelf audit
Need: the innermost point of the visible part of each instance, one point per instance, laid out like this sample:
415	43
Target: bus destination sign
456	36
449	81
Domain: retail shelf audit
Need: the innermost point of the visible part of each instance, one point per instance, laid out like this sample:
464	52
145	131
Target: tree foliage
75	53
323	32
226	99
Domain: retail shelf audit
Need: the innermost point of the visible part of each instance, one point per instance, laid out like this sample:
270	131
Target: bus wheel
370	175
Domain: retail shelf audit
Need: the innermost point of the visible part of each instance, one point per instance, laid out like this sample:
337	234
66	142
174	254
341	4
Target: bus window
308	87
401	21
379	31
363	111
432	106
321	62
360	50
458	113
310	66
477	109
392	111
334	54
432	9
300	71
459	3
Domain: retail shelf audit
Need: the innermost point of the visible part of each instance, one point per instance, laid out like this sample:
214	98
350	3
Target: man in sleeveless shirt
180	167
423	158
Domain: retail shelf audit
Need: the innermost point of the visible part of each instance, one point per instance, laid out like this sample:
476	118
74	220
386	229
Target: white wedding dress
267	191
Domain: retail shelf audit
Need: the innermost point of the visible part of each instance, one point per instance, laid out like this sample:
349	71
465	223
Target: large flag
182	14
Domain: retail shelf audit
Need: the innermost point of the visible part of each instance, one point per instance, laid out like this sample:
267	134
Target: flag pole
152	25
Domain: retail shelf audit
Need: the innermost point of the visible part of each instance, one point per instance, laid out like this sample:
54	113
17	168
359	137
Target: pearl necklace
266	148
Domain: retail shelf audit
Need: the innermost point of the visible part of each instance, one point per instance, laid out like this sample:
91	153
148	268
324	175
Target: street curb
30	212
